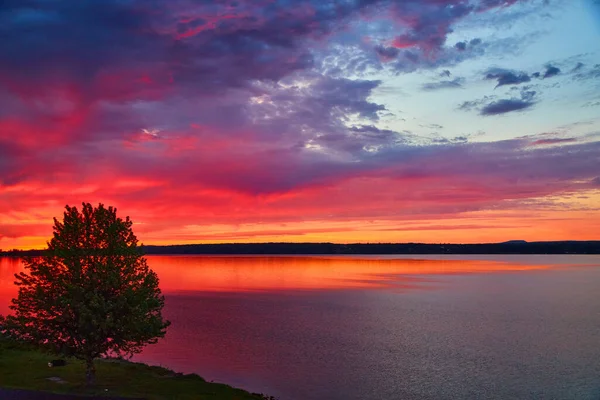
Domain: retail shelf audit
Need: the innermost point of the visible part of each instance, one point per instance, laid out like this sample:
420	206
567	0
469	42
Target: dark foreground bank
16	394
25	375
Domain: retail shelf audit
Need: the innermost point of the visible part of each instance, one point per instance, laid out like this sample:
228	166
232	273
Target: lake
381	327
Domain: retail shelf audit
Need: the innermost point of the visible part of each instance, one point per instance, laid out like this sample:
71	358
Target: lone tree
91	294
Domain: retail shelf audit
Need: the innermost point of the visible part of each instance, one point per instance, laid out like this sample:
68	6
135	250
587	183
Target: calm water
430	327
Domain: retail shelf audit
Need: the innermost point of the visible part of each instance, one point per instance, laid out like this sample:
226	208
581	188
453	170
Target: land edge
326	248
17	357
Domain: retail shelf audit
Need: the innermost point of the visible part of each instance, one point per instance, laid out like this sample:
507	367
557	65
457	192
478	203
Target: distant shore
511	247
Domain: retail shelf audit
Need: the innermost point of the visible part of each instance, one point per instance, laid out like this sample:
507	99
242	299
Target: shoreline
324	248
25	369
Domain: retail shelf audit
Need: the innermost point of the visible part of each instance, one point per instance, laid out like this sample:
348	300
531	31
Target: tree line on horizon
512	247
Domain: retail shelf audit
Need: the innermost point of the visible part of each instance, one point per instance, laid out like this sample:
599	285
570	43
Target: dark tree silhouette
91	294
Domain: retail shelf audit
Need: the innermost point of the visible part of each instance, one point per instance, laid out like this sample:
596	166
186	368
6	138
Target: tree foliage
91	294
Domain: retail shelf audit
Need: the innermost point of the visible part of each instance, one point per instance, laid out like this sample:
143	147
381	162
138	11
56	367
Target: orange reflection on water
248	273
257	273
8	268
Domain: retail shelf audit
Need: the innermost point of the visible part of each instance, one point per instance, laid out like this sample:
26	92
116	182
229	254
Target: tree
91	294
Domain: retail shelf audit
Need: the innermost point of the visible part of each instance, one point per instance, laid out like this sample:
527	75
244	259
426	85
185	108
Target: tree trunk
90	372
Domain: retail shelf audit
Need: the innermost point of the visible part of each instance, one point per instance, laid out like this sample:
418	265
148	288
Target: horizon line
514	242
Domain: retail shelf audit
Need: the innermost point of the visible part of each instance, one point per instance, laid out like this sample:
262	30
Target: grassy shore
23	368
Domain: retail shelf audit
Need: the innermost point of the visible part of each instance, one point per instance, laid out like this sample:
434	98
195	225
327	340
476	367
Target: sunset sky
303	120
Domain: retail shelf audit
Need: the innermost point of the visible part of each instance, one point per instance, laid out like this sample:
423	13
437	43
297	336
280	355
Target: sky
310	120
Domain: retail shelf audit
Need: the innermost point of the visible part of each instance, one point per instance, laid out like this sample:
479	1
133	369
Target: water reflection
525	335
284	273
8	268
243	274
313	328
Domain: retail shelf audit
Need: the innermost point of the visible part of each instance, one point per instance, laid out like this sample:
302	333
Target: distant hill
510	247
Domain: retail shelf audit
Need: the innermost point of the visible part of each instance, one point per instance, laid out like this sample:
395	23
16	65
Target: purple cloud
490	105
506	77
505	106
551	71
455	83
387	53
461	46
553	141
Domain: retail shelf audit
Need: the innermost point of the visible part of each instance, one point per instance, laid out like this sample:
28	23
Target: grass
26	368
